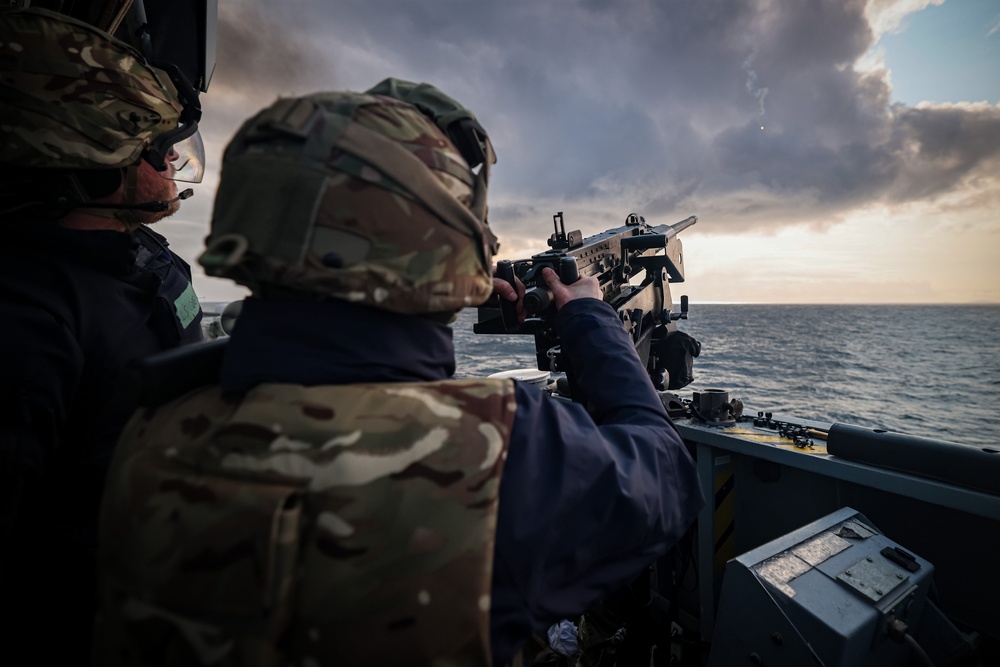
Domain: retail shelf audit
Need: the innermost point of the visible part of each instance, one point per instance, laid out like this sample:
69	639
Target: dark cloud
257	53
602	107
940	147
259	58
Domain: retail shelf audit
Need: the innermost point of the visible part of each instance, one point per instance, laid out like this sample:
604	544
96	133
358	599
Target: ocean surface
932	371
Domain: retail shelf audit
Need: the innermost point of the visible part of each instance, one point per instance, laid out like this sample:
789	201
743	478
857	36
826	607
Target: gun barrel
673	230
679	227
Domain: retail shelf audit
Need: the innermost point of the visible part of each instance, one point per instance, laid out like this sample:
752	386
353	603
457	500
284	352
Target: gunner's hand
506	292
584	288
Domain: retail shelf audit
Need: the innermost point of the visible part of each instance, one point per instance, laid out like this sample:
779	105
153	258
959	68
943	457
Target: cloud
995	27
888	16
258	59
600	108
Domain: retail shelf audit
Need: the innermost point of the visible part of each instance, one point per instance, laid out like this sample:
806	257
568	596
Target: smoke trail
759	93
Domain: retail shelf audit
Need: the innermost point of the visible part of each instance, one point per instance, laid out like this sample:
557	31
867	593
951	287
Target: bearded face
151	186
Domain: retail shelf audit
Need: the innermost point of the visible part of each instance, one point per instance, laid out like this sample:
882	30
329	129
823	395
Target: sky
834	151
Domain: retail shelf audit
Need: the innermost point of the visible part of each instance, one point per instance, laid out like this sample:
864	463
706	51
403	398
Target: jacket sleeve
587	500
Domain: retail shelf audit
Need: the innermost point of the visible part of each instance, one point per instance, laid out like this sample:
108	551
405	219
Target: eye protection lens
185	160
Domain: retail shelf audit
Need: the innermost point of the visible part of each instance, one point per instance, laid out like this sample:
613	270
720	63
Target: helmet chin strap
130	183
126	212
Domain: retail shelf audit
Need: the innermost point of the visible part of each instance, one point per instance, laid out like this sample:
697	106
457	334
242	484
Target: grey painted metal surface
821	594
757	492
940	493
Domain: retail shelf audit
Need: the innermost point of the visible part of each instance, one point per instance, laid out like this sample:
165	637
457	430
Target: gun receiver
615	257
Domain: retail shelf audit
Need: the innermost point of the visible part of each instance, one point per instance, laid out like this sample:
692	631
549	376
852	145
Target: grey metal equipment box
820	595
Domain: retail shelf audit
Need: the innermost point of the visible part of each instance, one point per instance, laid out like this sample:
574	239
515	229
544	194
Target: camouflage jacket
347	525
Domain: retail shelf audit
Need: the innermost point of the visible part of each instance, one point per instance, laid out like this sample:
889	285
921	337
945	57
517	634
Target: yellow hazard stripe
819	447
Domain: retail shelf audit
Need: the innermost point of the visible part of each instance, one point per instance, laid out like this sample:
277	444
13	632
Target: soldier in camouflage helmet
92	141
86	124
365	199
336	498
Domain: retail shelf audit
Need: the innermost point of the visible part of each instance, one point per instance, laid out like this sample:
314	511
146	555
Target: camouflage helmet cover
352	196
76	98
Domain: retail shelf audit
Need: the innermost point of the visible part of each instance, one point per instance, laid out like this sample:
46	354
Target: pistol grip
508	309
568	273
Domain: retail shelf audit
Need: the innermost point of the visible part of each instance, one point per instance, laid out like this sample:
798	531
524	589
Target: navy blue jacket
587	501
76	307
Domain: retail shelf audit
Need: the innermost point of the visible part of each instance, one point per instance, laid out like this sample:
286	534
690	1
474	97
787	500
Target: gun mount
634	265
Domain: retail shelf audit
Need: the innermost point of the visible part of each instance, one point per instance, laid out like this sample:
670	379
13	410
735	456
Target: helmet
76	98
356	196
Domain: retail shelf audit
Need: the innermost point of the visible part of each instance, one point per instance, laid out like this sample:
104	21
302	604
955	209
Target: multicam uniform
336	524
337	499
199	530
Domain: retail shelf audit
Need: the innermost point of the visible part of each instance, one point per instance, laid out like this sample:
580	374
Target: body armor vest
333	525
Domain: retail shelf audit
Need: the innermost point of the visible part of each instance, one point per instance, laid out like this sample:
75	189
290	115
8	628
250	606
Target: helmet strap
80	187
128	180
130	177
131	180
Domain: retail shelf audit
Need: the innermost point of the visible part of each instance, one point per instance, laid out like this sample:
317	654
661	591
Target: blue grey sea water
932	371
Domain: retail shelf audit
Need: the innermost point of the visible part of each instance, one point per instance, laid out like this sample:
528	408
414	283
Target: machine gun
616	258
